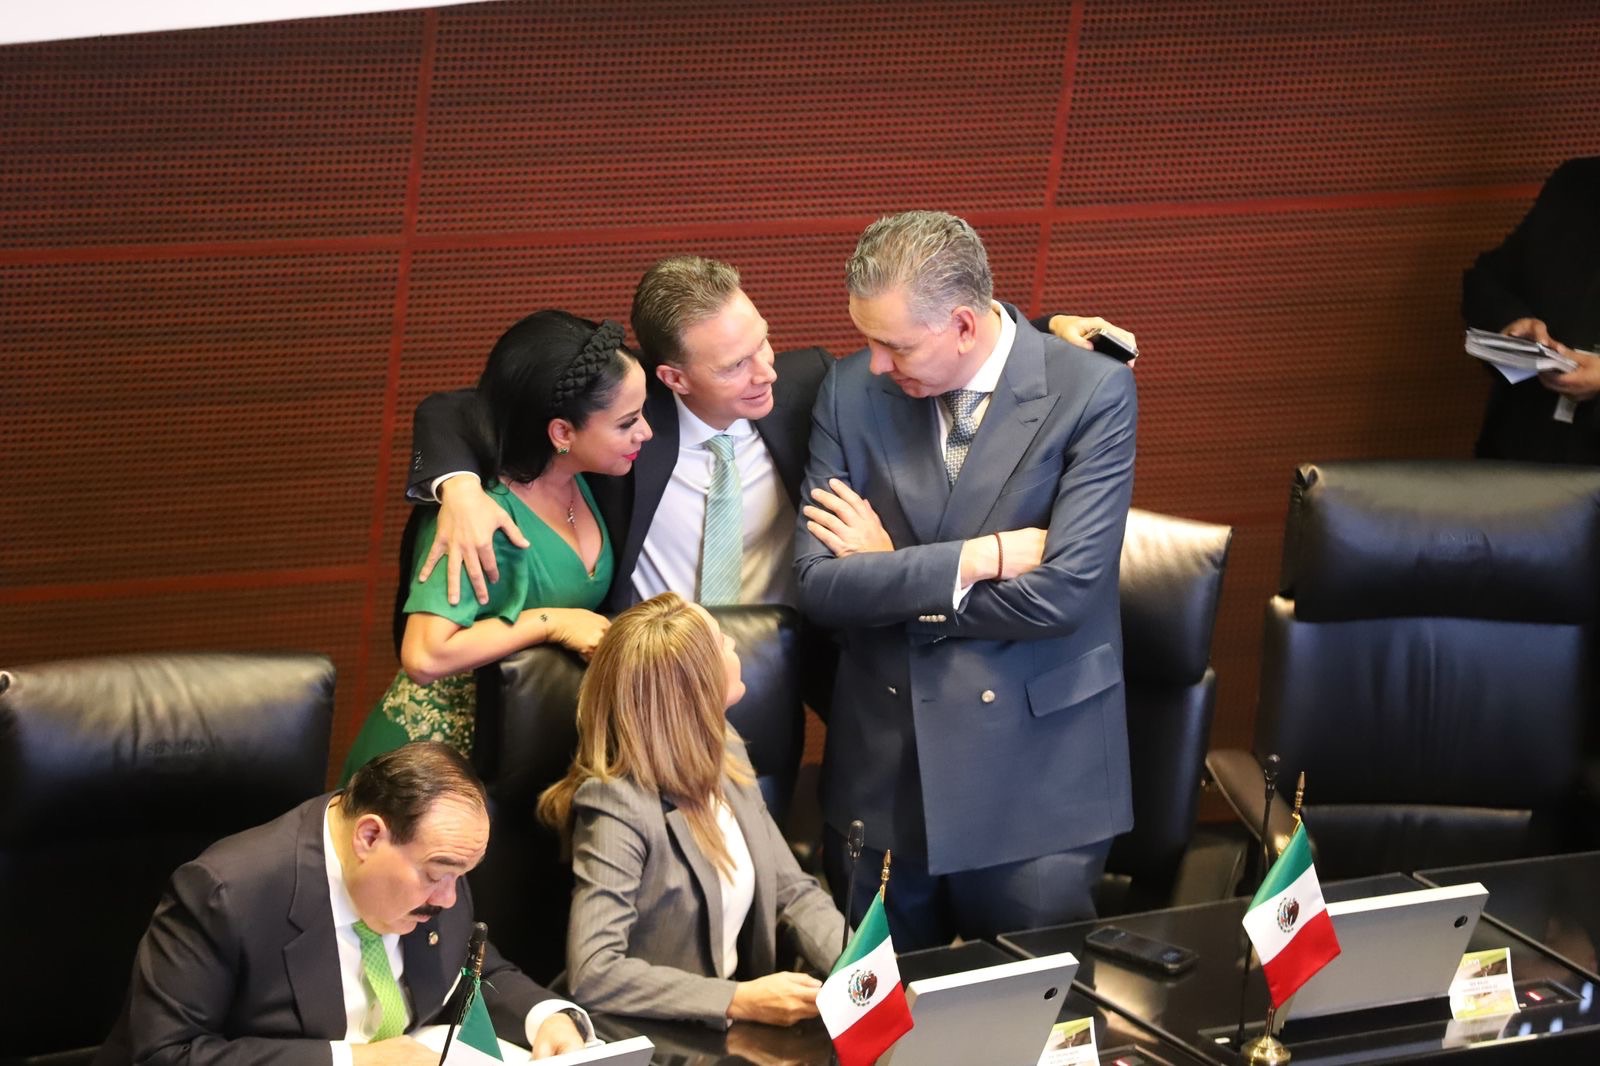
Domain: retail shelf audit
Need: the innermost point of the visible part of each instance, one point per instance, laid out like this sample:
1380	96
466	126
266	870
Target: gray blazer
995	733
646	919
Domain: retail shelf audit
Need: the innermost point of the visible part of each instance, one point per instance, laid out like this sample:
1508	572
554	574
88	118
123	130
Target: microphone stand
473	973
853	845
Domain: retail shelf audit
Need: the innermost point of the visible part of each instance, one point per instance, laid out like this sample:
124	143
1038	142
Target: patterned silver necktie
962	406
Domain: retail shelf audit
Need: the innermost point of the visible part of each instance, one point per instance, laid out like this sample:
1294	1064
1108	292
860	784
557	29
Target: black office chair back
1429	660
114	772
525	739
1171	579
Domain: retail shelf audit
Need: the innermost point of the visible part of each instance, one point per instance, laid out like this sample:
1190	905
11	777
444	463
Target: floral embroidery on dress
444	710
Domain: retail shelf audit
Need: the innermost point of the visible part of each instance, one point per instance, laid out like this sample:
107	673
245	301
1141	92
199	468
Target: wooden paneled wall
232	260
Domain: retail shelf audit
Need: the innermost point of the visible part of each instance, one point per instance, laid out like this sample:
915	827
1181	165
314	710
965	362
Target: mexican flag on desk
1288	923
862	1003
475	1043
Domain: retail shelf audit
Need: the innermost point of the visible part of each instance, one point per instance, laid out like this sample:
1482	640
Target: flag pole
883	878
1267	1049
1269	776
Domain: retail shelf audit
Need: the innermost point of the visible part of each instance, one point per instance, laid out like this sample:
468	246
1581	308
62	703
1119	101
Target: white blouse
738	887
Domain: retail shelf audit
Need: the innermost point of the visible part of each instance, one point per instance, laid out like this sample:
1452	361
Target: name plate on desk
997	1015
1397	948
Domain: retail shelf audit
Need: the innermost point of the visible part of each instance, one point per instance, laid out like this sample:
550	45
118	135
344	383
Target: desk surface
1553	902
806	1044
1205	1005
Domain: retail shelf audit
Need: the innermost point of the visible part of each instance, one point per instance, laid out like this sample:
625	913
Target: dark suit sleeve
447	435
1084	541
510	994
1496	289
871	589
184	983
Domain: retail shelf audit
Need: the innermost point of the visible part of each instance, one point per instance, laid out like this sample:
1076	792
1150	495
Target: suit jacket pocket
1071	683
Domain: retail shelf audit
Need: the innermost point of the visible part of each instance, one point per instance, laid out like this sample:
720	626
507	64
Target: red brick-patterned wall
232	260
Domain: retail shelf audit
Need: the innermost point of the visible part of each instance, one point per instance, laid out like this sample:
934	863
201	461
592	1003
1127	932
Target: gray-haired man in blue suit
971	479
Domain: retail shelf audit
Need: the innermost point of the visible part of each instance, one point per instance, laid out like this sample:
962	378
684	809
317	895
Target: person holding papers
1543	283
680	875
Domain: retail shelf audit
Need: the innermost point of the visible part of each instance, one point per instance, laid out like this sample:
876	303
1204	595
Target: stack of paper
1515	357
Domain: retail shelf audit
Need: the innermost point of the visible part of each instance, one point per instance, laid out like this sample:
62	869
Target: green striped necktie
722	546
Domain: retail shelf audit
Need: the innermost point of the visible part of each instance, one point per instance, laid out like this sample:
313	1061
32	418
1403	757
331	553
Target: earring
563	450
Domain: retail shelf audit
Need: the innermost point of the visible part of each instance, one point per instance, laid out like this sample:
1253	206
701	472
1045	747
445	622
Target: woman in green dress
561	398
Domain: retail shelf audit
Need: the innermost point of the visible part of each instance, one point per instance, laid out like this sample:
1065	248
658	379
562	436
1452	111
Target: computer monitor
1398	948
997	1015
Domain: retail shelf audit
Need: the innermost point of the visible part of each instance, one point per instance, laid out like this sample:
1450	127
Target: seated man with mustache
327	934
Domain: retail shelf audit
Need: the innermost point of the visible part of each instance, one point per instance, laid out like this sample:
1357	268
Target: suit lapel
775	435
311	959
424	973
651	472
1016	411
705	878
908	431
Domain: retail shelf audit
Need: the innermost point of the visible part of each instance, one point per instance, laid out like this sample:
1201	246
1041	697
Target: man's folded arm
1084	541
872	588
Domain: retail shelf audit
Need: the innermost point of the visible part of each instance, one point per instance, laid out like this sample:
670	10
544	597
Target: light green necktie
722	545
380	978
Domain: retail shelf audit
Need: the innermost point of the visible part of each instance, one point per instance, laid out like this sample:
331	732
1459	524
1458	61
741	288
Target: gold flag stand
1267	1049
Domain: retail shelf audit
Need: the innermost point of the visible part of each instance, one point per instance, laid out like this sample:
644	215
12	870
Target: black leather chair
1429	663
113	772
1171	578
525	738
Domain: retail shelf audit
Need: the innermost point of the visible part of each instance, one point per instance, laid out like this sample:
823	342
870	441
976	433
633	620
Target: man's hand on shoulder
1081	330
846	524
468	518
557	1035
399	1051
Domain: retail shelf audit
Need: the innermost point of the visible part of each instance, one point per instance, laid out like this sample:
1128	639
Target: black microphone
475	948
472	969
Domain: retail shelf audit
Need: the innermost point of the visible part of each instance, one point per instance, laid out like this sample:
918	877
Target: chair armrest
1238	777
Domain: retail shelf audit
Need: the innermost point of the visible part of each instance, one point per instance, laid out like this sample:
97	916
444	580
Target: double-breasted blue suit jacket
996	732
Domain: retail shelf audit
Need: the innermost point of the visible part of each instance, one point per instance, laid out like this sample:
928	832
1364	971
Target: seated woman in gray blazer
681	876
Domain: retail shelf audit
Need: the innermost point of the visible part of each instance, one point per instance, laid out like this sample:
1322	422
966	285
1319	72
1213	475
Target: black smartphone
1153	954
1106	344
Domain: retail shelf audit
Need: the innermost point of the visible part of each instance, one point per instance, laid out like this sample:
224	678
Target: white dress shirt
362	1014
669	559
